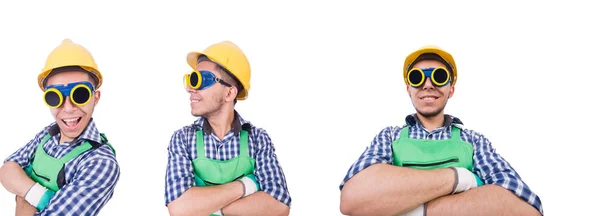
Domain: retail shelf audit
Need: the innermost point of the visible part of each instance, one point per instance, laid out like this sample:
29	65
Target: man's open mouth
71	122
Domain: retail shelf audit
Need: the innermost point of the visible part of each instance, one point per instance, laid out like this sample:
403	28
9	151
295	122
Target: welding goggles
201	80
79	93
439	76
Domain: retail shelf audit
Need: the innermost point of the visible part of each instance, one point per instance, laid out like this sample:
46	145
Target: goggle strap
222	82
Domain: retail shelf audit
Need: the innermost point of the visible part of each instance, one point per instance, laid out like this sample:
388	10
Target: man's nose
190	89
428	84
68	106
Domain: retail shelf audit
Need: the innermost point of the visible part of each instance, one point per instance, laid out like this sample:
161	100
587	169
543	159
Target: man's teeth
70	120
194	101
428	98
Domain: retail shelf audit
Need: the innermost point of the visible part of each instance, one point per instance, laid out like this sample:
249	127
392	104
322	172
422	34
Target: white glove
218	212
418	211
465	180
38	196
250	184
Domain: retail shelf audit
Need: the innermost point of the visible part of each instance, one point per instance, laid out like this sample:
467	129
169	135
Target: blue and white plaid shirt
90	177
182	151
487	164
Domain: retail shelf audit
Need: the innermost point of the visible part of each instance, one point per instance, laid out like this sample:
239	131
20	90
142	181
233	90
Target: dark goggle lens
415	77
440	76
80	95
195	80
52	98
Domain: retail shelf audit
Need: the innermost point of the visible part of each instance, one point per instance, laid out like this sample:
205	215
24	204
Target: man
68	168
433	165
221	164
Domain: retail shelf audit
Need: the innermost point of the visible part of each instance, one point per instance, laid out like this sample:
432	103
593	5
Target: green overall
209	172
432	154
49	171
216	172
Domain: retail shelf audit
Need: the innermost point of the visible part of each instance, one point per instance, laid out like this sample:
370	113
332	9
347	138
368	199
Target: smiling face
72	119
429	100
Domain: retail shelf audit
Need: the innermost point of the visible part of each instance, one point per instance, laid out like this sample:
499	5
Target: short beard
431	114
215	109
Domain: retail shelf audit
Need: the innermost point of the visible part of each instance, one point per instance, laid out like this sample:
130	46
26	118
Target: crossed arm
15	181
87	192
23	208
227	197
374	187
385	189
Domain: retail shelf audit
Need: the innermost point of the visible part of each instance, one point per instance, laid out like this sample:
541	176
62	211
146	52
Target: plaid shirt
90	177
182	150
487	164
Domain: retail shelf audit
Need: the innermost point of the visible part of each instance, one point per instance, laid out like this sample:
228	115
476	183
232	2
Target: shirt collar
237	125
90	133
412	120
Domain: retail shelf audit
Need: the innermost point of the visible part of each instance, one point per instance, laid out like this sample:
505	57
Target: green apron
432	154
216	172
209	172
49	171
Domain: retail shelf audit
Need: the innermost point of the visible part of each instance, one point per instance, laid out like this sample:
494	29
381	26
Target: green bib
216	172
49	171
432	154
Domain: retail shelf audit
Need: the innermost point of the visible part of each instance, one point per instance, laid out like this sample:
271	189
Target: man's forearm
14	179
484	200
383	189
206	200
259	203
23	208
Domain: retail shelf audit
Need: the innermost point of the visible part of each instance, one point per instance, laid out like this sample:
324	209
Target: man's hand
23	208
465	180
250	184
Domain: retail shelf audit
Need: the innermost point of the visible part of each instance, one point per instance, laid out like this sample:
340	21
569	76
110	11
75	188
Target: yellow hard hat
70	54
229	56
447	57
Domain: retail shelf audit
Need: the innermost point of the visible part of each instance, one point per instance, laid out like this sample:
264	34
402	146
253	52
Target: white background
326	78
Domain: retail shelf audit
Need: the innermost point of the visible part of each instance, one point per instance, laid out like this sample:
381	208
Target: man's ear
96	97
232	93
451	92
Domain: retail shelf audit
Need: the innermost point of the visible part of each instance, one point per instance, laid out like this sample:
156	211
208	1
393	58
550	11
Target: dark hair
229	78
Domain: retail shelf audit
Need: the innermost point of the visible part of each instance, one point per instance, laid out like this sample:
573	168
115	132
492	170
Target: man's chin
429	113
69	135
197	114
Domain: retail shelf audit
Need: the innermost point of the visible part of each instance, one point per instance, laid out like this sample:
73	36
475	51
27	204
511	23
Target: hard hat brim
44	75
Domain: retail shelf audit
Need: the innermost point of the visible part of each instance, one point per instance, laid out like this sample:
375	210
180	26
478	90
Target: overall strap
200	144
455	133
105	141
40	146
45	139
76	152
84	147
404	132
244	143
